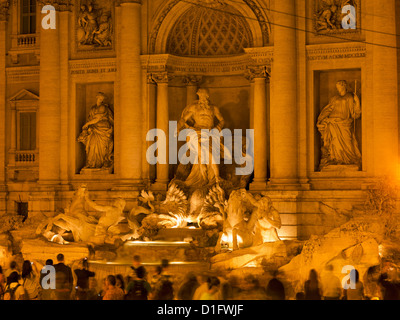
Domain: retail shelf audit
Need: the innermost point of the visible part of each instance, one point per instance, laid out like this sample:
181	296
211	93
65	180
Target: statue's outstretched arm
325	113
274	219
95	206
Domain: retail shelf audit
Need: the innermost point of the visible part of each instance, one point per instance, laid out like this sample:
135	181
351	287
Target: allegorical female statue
336	123
98	135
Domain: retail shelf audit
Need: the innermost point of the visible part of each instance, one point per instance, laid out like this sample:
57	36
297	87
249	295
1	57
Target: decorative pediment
24	95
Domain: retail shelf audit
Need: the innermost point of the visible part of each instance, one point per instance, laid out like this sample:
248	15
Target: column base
129	185
285	184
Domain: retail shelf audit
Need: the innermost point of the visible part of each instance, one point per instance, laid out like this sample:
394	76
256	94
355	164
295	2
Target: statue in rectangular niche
94	25
98	136
336	123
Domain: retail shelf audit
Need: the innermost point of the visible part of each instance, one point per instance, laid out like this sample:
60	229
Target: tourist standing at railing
120	281
30	280
64	279
46	294
137	262
14	289
156	276
312	288
138	288
275	289
356	293
213	291
113	292
203	286
13	268
82	283
188	287
331	286
2	283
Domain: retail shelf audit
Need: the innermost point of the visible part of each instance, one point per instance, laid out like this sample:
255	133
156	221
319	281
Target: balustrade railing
25	157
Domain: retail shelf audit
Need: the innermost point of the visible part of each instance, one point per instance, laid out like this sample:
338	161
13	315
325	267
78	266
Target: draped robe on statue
336	125
202	143
98	137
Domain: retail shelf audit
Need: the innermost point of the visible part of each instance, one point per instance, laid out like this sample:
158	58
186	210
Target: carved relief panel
337	16
94	25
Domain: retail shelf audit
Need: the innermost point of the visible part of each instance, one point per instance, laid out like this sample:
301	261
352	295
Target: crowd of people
161	284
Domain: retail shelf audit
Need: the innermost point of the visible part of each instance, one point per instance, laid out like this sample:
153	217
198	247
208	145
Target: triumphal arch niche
220	46
216	54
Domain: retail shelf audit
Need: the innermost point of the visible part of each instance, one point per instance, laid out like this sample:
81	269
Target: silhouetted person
389	289
46	294
358	292
82	283
64	279
137	262
371	285
164	291
13	268
188	288
30	280
275	289
112	292
213	291
331	286
311	287
300	296
138	288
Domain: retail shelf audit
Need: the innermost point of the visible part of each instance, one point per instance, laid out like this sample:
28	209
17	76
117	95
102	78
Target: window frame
29	15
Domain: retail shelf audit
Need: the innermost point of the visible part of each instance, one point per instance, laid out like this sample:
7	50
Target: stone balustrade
26	157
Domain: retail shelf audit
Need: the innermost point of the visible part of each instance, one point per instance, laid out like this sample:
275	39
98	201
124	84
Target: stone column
249	76
162	123
3	104
151	98
258	76
50	102
283	115
385	147
192	84
64	16
129	113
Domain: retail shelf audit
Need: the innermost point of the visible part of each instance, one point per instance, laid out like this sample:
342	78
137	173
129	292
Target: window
28	16
27	134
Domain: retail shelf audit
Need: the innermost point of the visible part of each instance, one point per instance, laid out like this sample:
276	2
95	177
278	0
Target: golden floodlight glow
157	243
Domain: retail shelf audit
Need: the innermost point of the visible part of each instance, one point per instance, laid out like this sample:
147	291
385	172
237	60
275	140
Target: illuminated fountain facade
79	104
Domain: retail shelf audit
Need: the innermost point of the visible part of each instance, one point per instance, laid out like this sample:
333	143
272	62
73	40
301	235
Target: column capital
257	72
150	79
192	80
161	77
4	5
